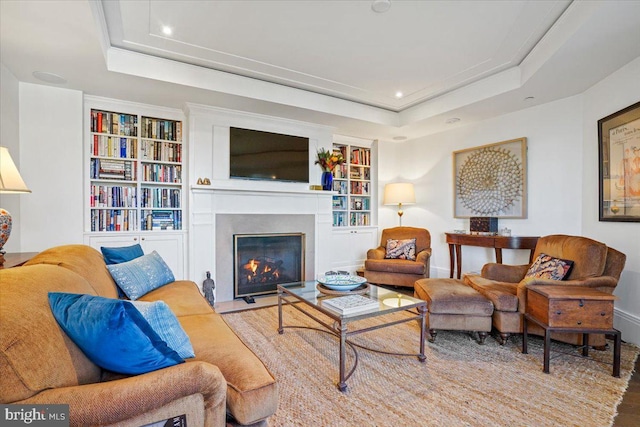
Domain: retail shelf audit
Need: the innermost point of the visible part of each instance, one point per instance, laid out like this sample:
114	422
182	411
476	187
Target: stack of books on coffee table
350	304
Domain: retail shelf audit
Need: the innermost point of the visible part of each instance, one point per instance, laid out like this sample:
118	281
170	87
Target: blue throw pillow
166	325
141	275
112	333
121	254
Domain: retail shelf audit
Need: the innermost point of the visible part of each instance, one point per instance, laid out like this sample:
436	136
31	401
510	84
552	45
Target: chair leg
481	337
432	335
504	338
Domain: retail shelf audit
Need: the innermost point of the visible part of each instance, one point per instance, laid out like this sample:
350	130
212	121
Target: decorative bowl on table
341	282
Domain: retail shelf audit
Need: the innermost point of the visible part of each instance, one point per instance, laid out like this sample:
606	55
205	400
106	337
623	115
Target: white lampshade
399	193
10	179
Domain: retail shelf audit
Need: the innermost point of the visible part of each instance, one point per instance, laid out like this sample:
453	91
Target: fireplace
263	261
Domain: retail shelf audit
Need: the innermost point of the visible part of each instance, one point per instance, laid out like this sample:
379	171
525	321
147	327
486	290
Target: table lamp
10	182
399	193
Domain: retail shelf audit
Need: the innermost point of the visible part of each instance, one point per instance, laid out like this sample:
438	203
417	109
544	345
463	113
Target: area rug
460	384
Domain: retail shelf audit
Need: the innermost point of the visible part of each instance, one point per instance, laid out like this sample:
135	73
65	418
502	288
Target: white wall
10	138
51	165
554	141
562	182
612	94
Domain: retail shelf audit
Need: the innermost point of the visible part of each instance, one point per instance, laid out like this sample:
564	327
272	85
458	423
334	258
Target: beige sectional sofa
39	363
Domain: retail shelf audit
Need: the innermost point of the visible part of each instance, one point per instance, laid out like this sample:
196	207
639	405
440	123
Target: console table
457	240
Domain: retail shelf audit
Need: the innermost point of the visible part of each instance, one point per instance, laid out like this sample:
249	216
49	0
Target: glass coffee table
306	298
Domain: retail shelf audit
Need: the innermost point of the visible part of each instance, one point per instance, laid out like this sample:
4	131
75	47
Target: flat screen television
268	156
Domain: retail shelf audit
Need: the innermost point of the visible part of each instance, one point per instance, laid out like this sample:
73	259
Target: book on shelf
350	304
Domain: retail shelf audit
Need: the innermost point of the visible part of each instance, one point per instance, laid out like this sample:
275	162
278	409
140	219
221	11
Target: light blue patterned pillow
141	275
166	325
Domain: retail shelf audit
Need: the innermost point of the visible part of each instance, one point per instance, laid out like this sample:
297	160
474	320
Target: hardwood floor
629	409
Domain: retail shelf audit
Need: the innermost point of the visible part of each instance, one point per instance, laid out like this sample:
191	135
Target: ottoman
454	306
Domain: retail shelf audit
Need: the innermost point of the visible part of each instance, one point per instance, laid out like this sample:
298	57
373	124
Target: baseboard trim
628	324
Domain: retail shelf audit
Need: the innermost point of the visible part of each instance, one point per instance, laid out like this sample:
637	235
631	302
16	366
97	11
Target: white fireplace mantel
266	207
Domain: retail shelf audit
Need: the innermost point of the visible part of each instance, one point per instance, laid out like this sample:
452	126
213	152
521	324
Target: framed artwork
619	159
491	180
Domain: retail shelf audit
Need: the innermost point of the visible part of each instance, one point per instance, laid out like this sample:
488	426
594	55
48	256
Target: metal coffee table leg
342	385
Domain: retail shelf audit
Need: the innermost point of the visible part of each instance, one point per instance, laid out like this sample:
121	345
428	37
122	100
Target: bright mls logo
35	415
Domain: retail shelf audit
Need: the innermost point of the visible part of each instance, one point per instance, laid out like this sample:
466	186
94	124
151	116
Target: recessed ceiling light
49	77
399	94
530	98
167	30
400	138
452	120
380	6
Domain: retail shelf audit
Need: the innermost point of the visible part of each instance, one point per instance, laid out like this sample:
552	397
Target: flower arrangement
328	160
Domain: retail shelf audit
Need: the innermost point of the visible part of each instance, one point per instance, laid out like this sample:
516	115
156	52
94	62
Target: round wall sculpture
491	180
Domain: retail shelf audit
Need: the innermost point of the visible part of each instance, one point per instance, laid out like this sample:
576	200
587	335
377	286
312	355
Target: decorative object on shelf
200	182
399	193
206	181
619	155
480	224
207	287
491	180
10	182
328	160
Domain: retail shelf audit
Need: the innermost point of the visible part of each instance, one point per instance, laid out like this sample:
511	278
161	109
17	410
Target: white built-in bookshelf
134	178
135	172
352	181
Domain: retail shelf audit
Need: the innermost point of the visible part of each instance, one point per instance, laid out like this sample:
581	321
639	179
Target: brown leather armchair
399	272
594	265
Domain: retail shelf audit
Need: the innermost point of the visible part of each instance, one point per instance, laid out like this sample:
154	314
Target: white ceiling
336	63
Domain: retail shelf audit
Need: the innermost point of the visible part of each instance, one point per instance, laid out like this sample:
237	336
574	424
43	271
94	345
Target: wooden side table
571	309
16	259
457	240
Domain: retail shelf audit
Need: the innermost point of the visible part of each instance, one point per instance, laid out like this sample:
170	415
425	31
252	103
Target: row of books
360	219
106	196
169	130
361	156
114	220
360	203
114	123
340	172
160	198
339	203
161	173
112	169
340	219
162	220
360	172
340	187
111	146
161	151
360	188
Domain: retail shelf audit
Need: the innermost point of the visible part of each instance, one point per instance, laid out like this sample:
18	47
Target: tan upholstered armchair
399	272
594	265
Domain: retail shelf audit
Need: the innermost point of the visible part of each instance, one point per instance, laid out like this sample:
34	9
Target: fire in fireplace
263	261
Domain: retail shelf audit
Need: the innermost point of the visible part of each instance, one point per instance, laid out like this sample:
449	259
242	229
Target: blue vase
327	181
